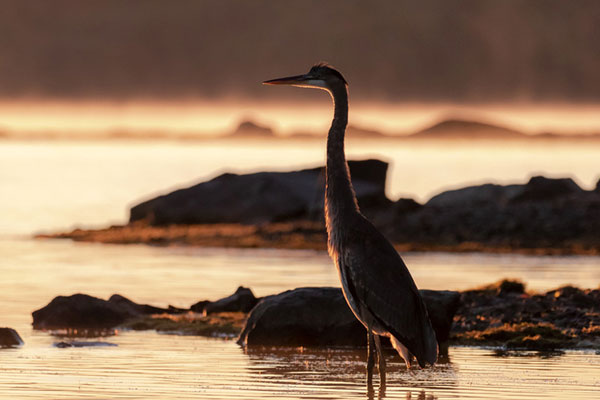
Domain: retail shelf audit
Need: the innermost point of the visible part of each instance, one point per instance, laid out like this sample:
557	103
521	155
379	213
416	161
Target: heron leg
370	357
381	359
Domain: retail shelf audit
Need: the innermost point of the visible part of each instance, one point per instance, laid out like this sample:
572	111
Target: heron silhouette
375	281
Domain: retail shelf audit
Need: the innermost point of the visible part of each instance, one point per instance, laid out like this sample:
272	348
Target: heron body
375	281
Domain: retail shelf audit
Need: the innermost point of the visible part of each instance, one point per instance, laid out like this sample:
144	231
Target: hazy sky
447	50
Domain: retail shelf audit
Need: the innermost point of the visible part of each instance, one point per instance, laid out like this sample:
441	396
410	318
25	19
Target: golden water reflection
42	190
337	366
146	365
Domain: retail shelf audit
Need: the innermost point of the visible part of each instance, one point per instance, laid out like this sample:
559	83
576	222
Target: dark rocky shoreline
285	210
502	315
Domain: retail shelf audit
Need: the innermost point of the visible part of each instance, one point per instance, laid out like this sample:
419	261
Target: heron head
320	76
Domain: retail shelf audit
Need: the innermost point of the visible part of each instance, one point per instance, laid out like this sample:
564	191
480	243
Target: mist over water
153	119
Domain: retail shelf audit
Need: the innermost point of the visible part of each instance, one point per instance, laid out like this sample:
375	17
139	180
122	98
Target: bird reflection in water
422	395
343	369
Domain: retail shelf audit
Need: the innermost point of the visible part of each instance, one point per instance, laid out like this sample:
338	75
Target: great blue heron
375	281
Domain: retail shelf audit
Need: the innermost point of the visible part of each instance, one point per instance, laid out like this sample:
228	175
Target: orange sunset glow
202	118
407	208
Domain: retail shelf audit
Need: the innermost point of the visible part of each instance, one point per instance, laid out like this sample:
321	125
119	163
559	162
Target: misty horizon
450	51
153	119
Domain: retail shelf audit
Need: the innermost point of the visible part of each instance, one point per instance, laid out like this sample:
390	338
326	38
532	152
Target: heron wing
383	285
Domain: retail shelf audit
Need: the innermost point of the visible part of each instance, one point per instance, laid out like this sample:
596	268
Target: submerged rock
315	316
64	345
10	338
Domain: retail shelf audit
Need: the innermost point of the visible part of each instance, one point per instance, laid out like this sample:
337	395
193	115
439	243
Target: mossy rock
537	342
516	336
227	324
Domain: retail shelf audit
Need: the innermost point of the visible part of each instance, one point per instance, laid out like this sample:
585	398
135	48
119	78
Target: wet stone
10	338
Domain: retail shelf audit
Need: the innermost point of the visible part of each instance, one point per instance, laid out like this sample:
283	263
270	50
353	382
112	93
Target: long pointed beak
290	80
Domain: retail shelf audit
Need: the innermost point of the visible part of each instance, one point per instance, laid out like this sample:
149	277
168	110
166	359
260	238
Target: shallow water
46	186
56	185
35	271
150	365
147	365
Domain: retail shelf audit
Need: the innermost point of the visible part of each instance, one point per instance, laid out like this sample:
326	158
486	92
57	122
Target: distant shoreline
545	216
443	131
592	138
300	235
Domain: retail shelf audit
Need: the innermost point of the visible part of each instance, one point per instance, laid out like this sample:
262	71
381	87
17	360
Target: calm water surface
150	365
47	186
56	185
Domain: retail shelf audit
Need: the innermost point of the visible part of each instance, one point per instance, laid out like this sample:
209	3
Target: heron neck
339	194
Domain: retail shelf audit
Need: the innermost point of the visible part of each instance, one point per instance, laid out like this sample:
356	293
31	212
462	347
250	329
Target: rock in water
81	311
260	197
65	345
10	338
130	307
309	316
441	307
243	300
316	316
